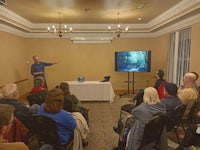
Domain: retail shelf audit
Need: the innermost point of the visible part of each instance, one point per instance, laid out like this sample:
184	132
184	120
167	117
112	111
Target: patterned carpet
103	116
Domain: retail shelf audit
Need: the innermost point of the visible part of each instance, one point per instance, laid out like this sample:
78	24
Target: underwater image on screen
133	61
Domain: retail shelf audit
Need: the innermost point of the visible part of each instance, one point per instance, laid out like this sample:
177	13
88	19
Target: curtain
170	58
178	55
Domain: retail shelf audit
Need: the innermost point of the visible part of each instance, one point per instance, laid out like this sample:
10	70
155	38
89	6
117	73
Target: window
178	55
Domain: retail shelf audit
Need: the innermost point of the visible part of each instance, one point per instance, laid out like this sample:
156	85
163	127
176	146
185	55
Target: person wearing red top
38	86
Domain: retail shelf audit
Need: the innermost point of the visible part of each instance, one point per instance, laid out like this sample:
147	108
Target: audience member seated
39	87
192	134
6	120
159	78
71	102
17	133
53	108
195	81
159	82
23	113
187	93
150	107
171	99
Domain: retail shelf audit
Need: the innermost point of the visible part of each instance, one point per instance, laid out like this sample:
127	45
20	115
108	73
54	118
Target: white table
92	90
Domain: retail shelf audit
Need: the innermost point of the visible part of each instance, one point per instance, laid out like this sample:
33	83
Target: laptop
106	79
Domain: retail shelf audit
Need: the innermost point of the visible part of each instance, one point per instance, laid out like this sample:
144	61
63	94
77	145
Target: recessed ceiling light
139	18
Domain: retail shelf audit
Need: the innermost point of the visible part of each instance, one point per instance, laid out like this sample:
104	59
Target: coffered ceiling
30	18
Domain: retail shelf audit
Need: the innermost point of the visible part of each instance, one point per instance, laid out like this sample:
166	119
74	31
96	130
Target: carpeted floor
103	116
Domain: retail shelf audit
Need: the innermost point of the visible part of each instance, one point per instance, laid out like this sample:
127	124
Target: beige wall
95	60
90	60
195	49
13	65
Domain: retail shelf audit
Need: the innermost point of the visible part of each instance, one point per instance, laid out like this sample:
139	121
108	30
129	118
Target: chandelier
60	30
118	30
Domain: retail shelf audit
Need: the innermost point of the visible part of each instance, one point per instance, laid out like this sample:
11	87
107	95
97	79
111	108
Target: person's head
197	76
170	89
189	79
6	118
151	96
54	101
159	74
64	86
36	59
38	81
10	91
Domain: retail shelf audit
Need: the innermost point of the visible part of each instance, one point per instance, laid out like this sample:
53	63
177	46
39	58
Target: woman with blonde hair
140	115
150	96
150	107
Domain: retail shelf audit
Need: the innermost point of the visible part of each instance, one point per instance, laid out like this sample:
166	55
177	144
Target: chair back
139	97
192	114
67	105
175	119
153	130
46	130
35	99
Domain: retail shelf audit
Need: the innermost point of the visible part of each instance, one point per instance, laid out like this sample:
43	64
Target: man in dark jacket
171	100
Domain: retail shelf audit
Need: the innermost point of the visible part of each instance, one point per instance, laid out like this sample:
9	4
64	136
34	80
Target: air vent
3	2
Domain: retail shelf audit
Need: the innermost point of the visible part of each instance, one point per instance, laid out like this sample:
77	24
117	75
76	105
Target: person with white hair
150	107
188	94
10	96
10	91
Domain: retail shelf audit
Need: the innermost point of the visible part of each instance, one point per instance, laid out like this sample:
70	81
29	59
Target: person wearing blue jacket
38	68
53	108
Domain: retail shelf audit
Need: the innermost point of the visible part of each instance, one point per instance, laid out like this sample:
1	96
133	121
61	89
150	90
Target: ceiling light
60	30
118	30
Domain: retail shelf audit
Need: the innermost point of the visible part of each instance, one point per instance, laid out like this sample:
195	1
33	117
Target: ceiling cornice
15	24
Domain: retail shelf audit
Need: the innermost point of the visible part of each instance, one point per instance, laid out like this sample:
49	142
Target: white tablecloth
92	90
